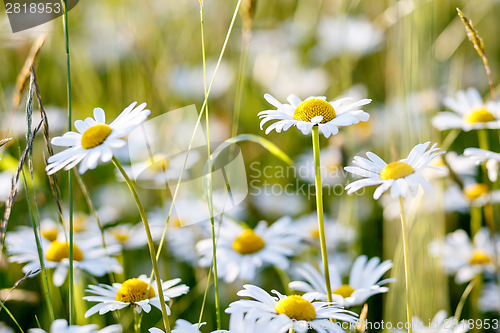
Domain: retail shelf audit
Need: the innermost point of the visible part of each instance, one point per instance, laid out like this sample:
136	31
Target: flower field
249	167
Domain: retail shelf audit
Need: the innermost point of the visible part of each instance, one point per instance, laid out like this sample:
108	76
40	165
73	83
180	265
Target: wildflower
402	177
95	140
88	256
464	258
135	292
492	160
363	281
241	251
299	312
314	111
339	235
469	112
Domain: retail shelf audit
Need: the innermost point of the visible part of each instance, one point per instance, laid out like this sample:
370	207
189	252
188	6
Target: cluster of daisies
289	245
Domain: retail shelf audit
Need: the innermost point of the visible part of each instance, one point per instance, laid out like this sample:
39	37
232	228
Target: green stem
204	298
151	245
404	231
319	207
475	219
209	153
482	136
70	182
45	280
460	306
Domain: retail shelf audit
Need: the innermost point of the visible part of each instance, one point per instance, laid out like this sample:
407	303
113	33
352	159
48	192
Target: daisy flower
88	256
299	312
135	292
469	112
472	195
127	236
464	258
340	236
314	111
402	177
242	252
481	155
61	326
363	281
160	169
95	140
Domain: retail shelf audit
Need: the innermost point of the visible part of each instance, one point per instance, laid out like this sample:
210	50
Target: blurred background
405	55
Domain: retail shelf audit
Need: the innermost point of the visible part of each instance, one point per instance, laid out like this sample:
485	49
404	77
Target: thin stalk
137	322
204	298
404	231
70	182
45	281
475	219
198	120
319	207
460	306
482	136
151	245
209	153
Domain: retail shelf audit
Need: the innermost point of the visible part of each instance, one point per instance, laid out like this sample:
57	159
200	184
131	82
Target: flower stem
319	207
460	306
70	182
404	231
210	196
151	245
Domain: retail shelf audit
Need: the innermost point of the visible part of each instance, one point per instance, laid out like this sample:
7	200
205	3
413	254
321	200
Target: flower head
464	258
88	256
492	160
135	292
241	251
363	281
95	140
402	177
469	112
313	111
299	312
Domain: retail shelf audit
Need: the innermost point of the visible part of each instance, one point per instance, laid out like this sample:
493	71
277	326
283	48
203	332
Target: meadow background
404	55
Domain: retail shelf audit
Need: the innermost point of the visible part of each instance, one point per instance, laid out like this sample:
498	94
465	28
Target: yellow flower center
314	233
296	307
95	135
314	107
479	115
475	191
134	290
158	163
345	291
248	242
50	233
120	235
396	170
59	250
177	223
479	257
